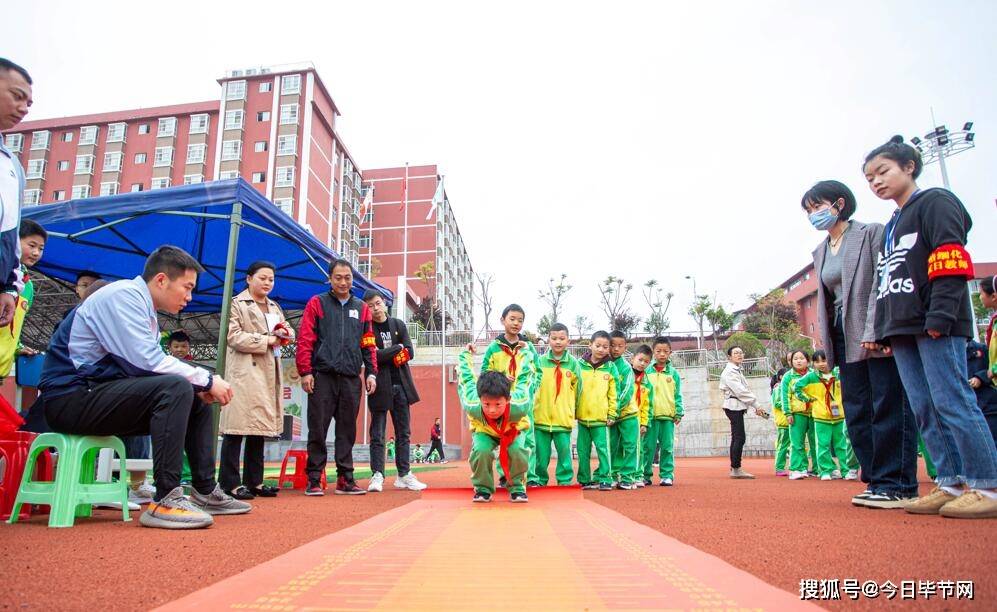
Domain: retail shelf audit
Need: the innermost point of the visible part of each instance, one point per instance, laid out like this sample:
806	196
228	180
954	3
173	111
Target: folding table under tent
225	225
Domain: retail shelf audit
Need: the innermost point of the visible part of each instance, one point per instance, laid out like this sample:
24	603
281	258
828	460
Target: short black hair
617	334
987	285
370	294
87	274
30	227
6	64
256	266
178	336
899	151
494	384
171	261
730	349
513	308
600	334
339	261
558	327
819	355
776	379
644	350
830	191
802	352
661	340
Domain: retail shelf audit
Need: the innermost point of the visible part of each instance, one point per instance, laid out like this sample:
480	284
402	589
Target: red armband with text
950	260
401	358
367	341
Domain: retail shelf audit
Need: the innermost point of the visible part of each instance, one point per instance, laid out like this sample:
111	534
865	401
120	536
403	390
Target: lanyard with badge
891	227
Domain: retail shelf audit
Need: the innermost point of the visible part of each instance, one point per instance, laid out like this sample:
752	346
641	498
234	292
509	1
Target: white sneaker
376	484
410	482
826	477
132	506
797	475
836	474
852	475
147	490
137	496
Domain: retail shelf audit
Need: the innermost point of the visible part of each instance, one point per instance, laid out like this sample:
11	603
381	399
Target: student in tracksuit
621	434
797	415
781	424
554	408
666	413
821	389
625	433
597	408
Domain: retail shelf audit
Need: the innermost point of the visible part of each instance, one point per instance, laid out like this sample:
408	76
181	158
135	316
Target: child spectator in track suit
798	415
624	377
419	454
924	315
625	432
554	408
666	413
781	424
597	408
498	413
821	390
983	368
506	354
33	238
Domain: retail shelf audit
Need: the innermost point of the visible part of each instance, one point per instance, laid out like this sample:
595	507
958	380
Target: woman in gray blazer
880	424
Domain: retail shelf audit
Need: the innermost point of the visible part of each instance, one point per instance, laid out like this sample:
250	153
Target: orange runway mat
559	551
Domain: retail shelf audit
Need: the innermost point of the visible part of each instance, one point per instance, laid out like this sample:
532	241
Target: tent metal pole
235	224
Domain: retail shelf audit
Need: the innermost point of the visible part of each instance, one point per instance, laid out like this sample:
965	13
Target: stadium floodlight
940	143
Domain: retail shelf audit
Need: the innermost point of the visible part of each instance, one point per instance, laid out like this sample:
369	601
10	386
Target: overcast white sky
645	140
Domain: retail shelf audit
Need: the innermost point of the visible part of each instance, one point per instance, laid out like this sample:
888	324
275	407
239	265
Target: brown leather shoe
970	505
930	503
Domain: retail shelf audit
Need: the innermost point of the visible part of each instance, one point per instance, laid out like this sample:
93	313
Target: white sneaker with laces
826	477
852	475
147	490
836	474
797	475
410	482
376	484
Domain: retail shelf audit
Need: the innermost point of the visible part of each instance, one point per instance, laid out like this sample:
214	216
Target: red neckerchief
659	368
828	389
511	352
638	377
506	436
990	329
557	376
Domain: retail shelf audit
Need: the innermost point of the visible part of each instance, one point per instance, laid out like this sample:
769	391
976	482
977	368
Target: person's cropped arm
945	234
467	386
307	336
873	246
521	400
368	345
735	384
810	378
245	341
679	411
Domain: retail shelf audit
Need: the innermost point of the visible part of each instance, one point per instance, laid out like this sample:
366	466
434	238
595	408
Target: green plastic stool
74	490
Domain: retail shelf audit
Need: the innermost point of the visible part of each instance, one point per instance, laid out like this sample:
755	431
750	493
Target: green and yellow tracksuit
802	426
622	434
10	336
596	405
506	357
666	407
554	415
823	393
504	432
782	431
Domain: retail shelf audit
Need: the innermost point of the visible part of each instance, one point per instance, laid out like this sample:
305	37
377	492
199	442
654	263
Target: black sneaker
605	486
859	500
647	482
518	497
590	486
242	493
502	482
482	497
348	487
887	501
314	488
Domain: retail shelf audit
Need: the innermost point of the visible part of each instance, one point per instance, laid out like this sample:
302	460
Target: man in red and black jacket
335	341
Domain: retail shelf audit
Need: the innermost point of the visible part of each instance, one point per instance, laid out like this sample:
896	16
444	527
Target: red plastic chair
299	479
14	447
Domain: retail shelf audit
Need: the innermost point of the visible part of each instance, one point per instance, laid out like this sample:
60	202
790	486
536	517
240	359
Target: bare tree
554	294
582	325
426	273
484	295
659	302
615	298
698	312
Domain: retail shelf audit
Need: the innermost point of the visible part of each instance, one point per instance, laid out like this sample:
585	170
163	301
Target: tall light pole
695	297
941	143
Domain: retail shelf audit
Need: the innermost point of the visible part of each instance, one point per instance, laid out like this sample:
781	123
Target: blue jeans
953	428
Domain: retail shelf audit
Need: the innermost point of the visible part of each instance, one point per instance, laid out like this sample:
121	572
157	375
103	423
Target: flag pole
405	233
442	208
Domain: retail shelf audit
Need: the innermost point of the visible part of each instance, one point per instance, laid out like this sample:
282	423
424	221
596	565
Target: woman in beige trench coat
256	331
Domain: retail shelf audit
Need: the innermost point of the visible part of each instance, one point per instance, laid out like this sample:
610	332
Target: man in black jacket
395	394
335	341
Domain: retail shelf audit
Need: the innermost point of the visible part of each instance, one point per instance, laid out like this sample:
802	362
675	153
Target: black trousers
400	419
737	436
161	406
252	469
335	397
436	444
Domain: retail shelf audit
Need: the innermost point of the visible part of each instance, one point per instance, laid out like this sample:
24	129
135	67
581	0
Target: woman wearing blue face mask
880	424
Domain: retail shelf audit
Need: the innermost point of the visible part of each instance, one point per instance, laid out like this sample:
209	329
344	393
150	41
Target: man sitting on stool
106	375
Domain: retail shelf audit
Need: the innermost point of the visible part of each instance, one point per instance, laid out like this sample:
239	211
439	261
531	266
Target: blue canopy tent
225	225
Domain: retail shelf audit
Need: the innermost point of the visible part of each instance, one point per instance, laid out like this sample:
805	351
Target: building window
63	165
32	196
193	179
84	164
136	187
233	119
15	142
140	158
164	157
266	87
108	189
235	90
88	135
143	128
39	140
259	177
198	124
285	176
195	153
80	192
228	175
263	116
369	217
58	195
67	137
112	162
363	267
290	84
285	204
231	150
288	114
167	127
287	144
160	183
116	132
260	146
365	241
